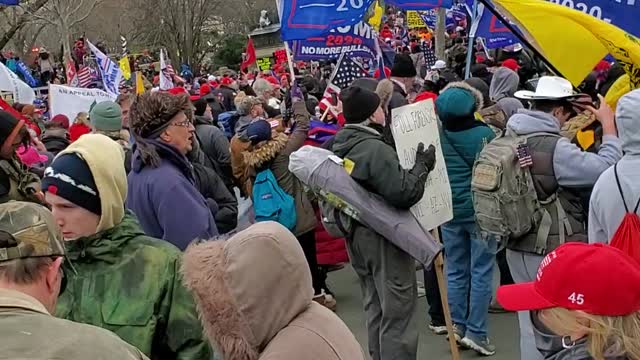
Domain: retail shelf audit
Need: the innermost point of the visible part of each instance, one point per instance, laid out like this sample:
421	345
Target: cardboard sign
264	64
71	101
414	20
411	125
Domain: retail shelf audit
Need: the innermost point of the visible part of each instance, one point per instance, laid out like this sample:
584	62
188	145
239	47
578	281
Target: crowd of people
169	225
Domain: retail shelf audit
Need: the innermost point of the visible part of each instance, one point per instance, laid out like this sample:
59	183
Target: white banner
411	125
22	93
110	71
166	82
70	101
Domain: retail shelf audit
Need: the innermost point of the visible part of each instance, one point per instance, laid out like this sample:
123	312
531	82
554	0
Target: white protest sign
70	101
22	93
411	125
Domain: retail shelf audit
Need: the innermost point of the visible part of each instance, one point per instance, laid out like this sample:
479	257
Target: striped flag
330	100
84	77
110	71
166	72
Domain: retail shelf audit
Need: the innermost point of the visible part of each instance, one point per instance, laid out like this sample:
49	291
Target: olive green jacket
130	284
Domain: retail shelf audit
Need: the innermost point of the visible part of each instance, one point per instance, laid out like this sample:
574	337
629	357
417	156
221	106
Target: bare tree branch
32	8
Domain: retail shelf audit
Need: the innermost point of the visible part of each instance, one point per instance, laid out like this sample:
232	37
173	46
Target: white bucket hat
549	88
439	65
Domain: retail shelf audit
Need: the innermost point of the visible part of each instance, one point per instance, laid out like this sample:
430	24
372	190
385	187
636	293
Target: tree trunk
441	28
6	37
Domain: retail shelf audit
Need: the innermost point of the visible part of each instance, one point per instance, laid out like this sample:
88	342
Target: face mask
549	344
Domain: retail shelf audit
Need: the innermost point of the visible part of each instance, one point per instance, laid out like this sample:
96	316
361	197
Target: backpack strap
624	201
444	132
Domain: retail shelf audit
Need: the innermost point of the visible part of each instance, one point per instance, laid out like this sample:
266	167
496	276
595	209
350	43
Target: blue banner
9	2
456	15
494	32
621	13
303	19
358	40
26	73
420	4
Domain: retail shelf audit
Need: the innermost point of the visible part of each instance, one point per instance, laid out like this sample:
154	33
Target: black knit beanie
403	67
358	104
7	123
70	177
200	106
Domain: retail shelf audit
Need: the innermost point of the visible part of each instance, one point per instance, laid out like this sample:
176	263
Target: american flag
332	92
346	72
429	56
524	155
84	77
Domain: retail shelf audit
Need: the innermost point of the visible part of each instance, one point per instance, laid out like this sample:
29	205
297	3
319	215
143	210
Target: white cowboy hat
439	65
549	88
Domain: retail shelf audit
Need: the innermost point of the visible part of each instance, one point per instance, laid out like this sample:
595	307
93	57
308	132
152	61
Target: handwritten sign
264	64
411	125
414	20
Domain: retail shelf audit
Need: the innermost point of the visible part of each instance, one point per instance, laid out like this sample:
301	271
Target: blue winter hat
259	131
458	100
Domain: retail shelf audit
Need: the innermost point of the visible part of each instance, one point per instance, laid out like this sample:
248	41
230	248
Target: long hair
605	334
82	119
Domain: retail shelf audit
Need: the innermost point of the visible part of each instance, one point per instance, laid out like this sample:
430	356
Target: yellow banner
376	20
571	40
124	66
139	83
414	20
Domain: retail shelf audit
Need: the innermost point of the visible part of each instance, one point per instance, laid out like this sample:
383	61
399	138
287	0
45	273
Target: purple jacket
166	201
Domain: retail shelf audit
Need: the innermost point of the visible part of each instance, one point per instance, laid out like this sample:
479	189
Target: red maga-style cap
597	279
511	64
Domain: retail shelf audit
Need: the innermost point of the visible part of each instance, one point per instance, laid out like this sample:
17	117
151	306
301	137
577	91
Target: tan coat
28	331
255	299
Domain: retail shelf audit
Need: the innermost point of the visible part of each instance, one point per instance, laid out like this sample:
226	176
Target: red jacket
77	130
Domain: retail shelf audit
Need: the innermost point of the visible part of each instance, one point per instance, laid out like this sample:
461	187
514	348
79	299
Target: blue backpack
271	203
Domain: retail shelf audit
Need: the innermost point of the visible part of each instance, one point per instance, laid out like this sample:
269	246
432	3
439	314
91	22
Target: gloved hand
425	161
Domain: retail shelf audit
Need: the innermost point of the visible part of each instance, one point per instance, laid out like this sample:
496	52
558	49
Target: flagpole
472	38
520	37
290	61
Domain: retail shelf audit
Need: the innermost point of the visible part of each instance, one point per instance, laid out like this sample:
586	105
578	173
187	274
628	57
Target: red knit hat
205	90
226	81
426	95
597	279
511	64
177	91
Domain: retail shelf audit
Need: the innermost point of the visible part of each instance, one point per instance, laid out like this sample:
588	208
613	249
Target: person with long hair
81	125
584	303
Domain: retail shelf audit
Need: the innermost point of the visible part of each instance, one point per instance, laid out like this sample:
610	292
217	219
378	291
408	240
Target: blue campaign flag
9	2
26	74
487	26
621	13
357	40
455	15
303	19
420	4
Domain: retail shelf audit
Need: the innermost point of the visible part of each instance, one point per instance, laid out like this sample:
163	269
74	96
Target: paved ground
503	327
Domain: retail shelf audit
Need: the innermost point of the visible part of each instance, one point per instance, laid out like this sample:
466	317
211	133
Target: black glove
425	161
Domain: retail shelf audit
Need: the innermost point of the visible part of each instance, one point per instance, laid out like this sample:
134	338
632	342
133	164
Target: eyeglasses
186	123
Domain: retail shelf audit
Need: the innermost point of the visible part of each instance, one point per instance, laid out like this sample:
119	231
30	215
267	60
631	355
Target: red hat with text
597	279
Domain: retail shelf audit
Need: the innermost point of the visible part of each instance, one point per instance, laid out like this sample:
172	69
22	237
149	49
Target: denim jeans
469	265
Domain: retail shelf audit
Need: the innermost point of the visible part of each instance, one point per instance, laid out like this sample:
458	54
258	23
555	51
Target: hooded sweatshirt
503	86
607	209
572	167
134	283
241	321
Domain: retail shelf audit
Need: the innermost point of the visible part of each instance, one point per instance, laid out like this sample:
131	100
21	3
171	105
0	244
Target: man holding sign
387	274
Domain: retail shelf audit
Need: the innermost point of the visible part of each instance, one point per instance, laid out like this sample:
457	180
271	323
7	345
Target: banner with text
414	20
264	64
302	19
10	82
411	125
420	4
71	101
357	40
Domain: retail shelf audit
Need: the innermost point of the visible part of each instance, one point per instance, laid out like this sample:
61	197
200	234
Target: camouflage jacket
130	284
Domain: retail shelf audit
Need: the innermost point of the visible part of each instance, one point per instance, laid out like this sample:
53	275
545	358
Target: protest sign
302	19
10	82
414	20
420	4
264	64
357	40
70	101
411	125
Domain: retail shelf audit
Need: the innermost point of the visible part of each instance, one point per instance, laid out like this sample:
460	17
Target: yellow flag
376	19
124	66
571	40
139	83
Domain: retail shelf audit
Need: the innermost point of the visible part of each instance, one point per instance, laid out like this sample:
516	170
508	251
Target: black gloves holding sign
425	161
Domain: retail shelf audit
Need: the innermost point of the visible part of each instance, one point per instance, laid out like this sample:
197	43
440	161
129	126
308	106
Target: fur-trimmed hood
463	85
256	156
248	288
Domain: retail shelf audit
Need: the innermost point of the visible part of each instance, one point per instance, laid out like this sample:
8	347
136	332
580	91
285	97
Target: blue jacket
461	148
166	201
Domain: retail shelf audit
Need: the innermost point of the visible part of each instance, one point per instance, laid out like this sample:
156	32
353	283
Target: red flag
250	56
8	108
72	79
